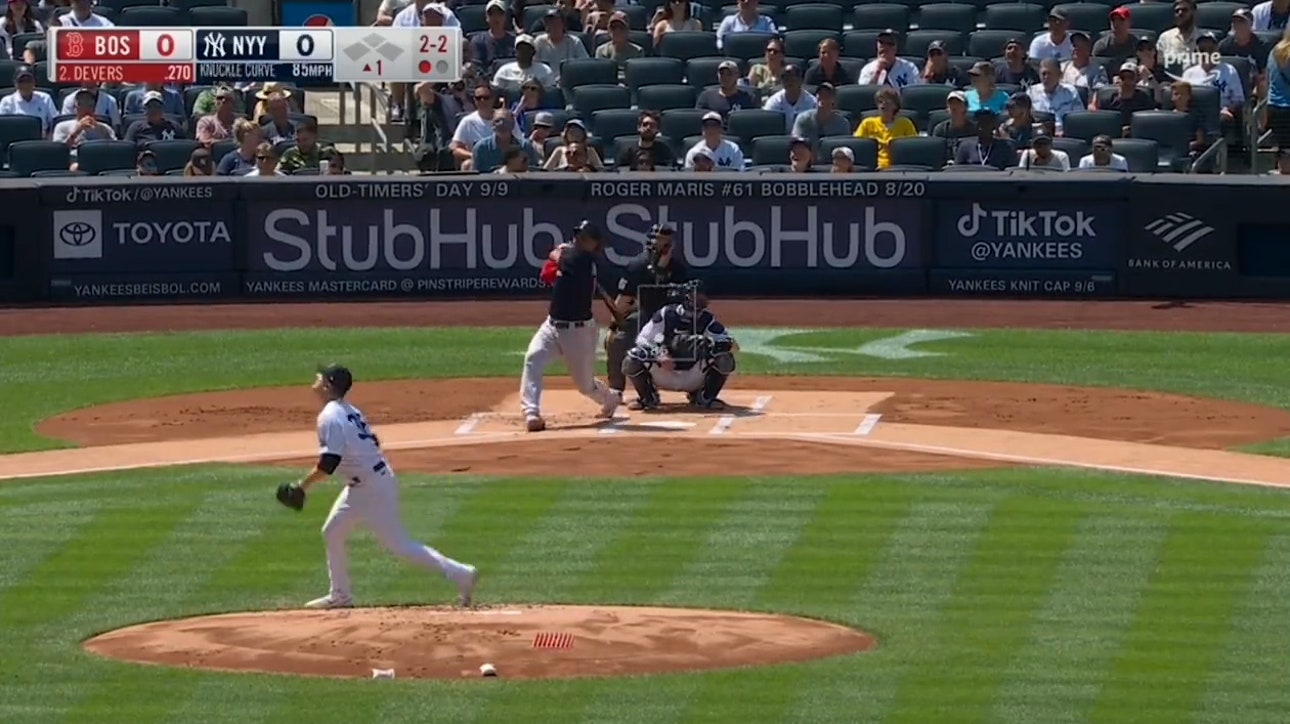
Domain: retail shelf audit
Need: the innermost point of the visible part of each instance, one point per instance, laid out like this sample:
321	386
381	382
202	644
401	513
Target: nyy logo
78	234
1020	224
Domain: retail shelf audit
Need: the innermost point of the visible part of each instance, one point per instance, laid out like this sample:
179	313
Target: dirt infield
888	313
521	642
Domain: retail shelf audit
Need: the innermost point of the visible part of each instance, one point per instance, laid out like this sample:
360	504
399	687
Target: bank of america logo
1179	230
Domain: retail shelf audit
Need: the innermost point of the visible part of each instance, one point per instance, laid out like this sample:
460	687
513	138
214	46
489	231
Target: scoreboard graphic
301	57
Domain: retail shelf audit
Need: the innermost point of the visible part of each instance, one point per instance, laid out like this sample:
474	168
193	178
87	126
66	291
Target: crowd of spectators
660	85
150	129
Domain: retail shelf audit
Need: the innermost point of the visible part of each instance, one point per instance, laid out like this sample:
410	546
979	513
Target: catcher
682	348
371	494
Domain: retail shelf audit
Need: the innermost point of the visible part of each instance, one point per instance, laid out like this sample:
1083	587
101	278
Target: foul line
723	424
867	426
469	424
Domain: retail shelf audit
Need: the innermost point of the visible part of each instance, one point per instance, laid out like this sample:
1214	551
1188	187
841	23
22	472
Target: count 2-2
434	43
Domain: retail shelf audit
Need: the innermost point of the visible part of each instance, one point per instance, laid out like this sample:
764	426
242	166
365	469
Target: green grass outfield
998	596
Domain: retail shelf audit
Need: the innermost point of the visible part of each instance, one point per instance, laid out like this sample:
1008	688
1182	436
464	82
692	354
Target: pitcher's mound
522	642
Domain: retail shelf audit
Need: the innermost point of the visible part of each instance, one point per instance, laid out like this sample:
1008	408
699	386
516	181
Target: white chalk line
469	424
725	422
867	425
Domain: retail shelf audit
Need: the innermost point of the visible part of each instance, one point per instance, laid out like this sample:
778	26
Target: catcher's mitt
292	496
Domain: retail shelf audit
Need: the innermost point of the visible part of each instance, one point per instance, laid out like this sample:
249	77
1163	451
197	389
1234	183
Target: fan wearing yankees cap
643	289
725	154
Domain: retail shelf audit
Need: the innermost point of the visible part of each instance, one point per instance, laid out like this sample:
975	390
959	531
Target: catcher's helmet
588	229
338	378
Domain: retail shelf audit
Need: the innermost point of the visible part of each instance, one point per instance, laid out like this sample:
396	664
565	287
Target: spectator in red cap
1120	44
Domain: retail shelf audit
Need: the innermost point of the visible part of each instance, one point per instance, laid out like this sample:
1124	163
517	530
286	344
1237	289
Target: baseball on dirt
487	670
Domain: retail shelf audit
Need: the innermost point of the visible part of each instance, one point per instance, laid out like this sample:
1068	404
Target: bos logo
78	234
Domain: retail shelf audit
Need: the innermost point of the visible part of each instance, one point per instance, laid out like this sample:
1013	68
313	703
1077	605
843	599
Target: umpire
642	291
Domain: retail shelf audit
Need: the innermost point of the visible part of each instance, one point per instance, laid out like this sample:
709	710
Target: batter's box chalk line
553	641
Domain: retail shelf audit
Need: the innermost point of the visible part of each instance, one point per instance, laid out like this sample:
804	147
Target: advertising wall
112	239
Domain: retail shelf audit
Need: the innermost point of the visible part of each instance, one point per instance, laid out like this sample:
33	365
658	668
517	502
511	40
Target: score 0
174	45
314	45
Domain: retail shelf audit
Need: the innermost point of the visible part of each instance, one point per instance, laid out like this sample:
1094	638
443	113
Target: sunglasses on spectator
264	158
773	51
484	98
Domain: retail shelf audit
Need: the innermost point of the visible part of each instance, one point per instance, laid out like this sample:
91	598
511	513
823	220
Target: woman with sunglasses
531	97
673	16
765	76
266	161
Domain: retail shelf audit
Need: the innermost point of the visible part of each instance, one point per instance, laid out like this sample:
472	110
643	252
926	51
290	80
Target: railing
378	102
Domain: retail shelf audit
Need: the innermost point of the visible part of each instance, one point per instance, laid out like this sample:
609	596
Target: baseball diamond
901	511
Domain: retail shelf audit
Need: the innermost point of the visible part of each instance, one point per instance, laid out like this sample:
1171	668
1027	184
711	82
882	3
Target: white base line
867	426
610	428
723	424
469	424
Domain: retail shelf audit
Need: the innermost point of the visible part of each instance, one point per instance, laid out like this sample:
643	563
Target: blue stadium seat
173	154
220	149
916	42
18	43
770	150
688	44
1156	17
664	98
750	124
703	71
744	46
190	4
29	157
880	16
613	123
989	44
638	16
640	72
864	43
95	157
1143	155
959	17
812	16
14	129
680	123
919	151
806	43
864	149
1217	15
1089	17
588	99
923	99
1171	131
1020	17
56	173
472	19
119	5
1075	148
588	71
127	172
533	15
856	100
153	17
1087	124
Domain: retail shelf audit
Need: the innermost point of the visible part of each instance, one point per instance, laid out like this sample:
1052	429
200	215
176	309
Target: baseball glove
292	496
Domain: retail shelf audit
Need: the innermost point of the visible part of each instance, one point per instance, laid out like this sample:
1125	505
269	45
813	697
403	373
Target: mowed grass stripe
1248	685
1183	620
911	581
225	699
35	531
162	586
665	533
1057	675
986	621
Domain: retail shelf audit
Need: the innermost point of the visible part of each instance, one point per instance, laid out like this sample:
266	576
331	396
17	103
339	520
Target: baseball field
912	511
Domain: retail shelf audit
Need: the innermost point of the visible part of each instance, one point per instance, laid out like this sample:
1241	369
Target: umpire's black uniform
641	283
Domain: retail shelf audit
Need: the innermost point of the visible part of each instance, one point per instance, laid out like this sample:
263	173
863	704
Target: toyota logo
77	233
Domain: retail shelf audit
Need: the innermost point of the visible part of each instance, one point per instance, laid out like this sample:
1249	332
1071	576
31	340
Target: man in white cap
728	95
888	68
704	160
511	76
154	126
844	160
497	42
724	153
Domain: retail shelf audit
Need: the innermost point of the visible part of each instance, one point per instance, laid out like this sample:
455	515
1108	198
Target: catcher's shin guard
714	379
617	343
637	373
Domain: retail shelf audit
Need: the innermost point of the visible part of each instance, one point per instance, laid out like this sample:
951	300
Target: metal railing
378	105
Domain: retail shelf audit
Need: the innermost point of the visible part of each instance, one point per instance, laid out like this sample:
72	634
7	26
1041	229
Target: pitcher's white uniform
371	495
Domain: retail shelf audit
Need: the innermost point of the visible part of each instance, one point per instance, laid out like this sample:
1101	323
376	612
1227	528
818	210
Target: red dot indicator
318	21
424	67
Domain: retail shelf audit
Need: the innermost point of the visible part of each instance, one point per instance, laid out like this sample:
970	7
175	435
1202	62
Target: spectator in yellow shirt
887	125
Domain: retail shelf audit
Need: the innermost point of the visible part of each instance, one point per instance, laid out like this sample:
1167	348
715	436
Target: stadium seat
614	123
1143	155
472	19
1217	15
744	46
29	157
812	16
1244	70
863	44
1208	102
174	172
560	117
919	151
654	71
56	173
864	149
680	123
8	174
989	44
306	171
1156	17
703	71
1020	17
173	154
959	17
588	99
218	17
533	15
281	147
95	157
638	16
1076	148
880	16
973	168
964	62
923	99
14	129
1087	124
916	42
18	43
623	144
119	5
7	68
119	172
639	37
1171	131
153	17
690	44
663	98
588	71
806	43
751	124
220	149
1089	17
934	118
856	100
770	150
853	66
190	4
